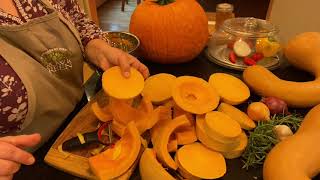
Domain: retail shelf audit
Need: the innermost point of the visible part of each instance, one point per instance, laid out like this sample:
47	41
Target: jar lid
249	27
224	7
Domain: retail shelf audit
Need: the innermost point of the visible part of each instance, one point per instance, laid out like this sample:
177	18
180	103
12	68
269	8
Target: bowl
125	41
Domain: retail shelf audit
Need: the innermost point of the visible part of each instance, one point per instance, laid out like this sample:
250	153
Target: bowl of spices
125	41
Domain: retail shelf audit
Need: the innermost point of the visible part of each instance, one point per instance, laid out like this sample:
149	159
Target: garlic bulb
282	132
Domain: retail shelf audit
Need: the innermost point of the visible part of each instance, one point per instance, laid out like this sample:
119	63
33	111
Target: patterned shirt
13	94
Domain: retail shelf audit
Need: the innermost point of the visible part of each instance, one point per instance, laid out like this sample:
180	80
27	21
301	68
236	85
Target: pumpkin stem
164	2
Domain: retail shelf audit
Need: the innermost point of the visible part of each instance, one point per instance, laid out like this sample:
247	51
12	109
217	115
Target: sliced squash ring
194	95
231	89
201	162
237	152
158	88
116	85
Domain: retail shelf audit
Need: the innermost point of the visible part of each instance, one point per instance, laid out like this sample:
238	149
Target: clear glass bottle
223	11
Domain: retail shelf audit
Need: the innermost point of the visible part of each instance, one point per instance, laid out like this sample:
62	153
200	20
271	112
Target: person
43	44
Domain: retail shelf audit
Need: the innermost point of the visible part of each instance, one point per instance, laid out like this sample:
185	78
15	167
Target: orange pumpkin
170	31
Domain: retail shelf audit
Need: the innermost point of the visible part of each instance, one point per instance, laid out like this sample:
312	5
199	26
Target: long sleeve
71	10
13	99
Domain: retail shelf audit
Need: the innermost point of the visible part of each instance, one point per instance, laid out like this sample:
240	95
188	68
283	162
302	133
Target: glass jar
243	41
224	11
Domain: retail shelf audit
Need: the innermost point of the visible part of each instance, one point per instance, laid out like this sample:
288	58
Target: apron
46	53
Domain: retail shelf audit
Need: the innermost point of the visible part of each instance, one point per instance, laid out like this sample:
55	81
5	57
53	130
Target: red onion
275	105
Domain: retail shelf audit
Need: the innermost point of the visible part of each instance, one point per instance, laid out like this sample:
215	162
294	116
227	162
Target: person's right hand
12	154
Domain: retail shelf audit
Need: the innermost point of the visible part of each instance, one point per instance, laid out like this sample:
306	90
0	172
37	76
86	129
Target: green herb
262	138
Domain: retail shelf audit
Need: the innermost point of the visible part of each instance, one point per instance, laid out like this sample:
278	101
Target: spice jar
223	11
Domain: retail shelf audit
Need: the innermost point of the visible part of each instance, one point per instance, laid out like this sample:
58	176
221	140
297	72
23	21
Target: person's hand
12	154
104	56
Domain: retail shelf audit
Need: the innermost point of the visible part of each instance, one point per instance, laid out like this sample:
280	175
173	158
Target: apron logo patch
56	60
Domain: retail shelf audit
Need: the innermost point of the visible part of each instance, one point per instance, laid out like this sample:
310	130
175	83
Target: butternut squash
150	168
210	142
231	89
116	85
164	118
172	145
194	95
161	144
186	136
185	174
221	127
201	162
298	156
237	152
302	51
103	114
158	88
117	160
236	114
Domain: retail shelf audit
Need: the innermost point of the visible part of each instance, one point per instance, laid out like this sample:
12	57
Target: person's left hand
104	56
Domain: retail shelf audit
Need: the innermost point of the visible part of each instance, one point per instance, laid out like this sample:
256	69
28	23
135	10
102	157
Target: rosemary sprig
262	139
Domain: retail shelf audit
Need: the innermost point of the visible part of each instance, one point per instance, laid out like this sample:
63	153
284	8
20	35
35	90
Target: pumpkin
221	127
158	88
170	31
237	152
201	162
184	173
116	85
194	95
298	156
186	135
117	160
172	145
161	144
209	142
302	51
150	168
236	114
103	114
230	89
162	122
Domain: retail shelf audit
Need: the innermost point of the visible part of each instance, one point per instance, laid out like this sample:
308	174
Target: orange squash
298	156
194	95
172	145
103	114
162	122
186	135
161	144
116	85
302	51
117	160
151	169
167	33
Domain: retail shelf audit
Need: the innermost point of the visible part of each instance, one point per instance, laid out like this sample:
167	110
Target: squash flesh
103	114
194	95
201	162
108	164
150	168
236	114
186	135
210	142
159	87
237	152
221	127
117	86
231	89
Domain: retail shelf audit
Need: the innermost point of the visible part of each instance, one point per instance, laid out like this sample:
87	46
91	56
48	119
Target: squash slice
237	152
117	160
158	88
164	117
231	89
150	168
210	142
172	145
186	135
103	114
201	162
194	95
221	127
236	114
183	172
161	144
116	85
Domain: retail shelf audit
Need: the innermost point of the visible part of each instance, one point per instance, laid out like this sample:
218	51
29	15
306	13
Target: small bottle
223	11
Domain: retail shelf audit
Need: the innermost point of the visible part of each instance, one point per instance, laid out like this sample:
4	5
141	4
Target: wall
295	16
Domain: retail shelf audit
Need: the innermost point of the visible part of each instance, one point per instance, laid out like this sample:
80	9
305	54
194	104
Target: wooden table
199	67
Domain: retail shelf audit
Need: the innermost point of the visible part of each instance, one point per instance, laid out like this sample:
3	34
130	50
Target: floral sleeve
88	29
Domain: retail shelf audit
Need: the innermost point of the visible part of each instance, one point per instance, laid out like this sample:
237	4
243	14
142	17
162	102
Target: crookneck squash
298	156
170	31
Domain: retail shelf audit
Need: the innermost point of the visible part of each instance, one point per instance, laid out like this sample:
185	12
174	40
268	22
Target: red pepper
232	57
249	61
257	56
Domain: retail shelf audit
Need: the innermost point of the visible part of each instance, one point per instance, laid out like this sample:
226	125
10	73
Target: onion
275	105
282	132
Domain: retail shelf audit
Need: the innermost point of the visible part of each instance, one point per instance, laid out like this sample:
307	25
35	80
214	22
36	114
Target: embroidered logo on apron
56	60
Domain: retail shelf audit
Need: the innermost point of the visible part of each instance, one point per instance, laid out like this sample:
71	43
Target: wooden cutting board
76	163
